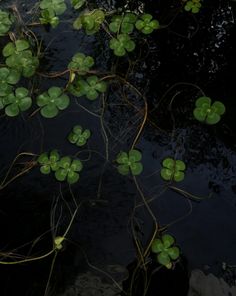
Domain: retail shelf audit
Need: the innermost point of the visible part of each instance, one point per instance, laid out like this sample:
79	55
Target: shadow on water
172	67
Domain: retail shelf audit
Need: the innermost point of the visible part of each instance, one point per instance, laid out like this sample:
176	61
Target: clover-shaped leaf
122	44
81	63
49	162
49	17
173	169
57	6
165	250
68	170
6	21
91	87
130	162
90	21
77	4
123	24
58	240
207	112
8	77
17	102
52	101
79	136
193	6
146	24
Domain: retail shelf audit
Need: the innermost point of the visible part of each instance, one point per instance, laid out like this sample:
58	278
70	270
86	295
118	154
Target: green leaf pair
130	162
123	24
6	21
78	136
20	57
90	21
193	6
8	78
16	102
173	169
165	250
65	168
81	63
52	101
146	24
91	87
207	112
122	44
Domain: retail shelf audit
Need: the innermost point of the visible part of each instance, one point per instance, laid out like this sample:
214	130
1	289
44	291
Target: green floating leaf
48	17
173	169
122	44
91	87
205	112
49	162
6	21
8	78
52	101
81	63
68	170
123	24
146	24
79	136
129	162
77	4
57	7
193	6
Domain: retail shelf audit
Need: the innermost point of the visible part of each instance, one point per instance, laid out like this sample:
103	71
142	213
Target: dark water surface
192	50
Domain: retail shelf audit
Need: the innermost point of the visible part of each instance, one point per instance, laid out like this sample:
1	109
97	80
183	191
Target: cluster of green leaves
129	162
65	168
90	21
207	112
78	136
81	63
77	4
90	87
50	9
8	78
173	169
165	250
193	6
52	101
6	21
20	57
123	26
16	102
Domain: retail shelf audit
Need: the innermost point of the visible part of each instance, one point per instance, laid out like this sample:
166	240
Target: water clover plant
52	101
6	21
57	7
123	24
19	56
17	102
78	136
90	21
122	44
146	24
129	162
49	162
165	250
81	63
8	77
193	6
49	17
173	169
68	170
77	4
91	87
207	112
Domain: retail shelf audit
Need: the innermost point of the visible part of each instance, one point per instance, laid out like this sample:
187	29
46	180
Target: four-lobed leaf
91	87
122	44
193	6
207	112
79	136
6	21
123	23
8	78
146	24
16	102
68	170
49	17
129	162
57	7
81	63
52	101
166	252
173	169
49	162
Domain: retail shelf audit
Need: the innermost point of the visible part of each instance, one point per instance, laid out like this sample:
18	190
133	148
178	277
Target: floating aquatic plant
77	4
129	162
49	162
57	7
81	63
49	17
207	112
52	101
6	21
166	252
123	23
146	24
122	44
173	169
68	170
193	6
8	78
79	136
